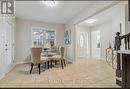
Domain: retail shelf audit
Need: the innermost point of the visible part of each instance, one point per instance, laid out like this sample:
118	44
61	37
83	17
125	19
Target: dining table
47	55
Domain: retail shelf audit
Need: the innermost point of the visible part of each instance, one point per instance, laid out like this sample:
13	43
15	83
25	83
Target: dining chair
55	49
60	57
37	58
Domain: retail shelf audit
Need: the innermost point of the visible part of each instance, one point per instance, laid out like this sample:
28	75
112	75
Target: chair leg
51	63
39	68
62	64
48	64
45	65
31	68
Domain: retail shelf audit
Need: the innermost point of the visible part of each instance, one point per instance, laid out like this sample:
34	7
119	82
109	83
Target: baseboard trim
103	58
71	61
22	62
2	76
89	57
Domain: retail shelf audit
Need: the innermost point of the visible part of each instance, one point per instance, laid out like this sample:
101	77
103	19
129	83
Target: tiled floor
82	73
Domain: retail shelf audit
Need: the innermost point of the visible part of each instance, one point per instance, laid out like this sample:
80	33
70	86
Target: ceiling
60	14
104	16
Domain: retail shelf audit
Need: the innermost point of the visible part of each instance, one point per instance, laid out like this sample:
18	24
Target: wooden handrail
125	35
126	39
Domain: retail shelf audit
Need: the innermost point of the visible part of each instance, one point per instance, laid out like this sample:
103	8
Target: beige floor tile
81	73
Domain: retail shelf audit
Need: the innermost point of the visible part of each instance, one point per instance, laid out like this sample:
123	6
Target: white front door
82	44
8	44
7	55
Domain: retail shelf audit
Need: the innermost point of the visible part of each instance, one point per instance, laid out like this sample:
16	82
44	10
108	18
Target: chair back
36	54
58	50
55	49
62	49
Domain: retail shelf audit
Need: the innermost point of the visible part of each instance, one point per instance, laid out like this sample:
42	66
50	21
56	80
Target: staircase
122	70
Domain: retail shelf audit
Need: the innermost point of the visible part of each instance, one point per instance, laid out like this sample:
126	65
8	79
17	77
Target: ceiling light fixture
91	20
50	3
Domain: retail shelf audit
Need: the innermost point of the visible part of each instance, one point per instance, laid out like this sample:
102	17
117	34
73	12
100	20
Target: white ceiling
106	15
62	13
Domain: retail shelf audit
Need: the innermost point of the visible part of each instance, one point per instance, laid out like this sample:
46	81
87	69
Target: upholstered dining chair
37	58
55	49
60	57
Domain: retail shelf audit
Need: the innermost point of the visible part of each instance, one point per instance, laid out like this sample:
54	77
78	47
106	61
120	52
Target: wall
126	19
70	49
23	37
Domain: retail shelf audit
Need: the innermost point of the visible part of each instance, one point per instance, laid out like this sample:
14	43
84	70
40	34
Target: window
42	37
50	37
98	39
38	38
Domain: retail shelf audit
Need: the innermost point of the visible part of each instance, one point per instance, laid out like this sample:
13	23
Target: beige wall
23	37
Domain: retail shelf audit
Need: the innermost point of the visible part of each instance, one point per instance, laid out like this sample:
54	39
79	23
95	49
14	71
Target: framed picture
67	37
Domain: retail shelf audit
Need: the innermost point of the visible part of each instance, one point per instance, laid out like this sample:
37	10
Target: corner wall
23	37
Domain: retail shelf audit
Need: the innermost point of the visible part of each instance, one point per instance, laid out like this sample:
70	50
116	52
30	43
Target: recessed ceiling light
50	3
91	20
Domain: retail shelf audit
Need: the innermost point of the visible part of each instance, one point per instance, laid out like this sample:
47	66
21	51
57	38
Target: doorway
8	45
82	42
95	36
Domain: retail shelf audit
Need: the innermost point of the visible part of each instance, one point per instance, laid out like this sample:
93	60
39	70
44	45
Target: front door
82	44
8	45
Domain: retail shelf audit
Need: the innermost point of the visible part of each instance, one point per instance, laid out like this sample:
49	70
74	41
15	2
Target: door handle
6	45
